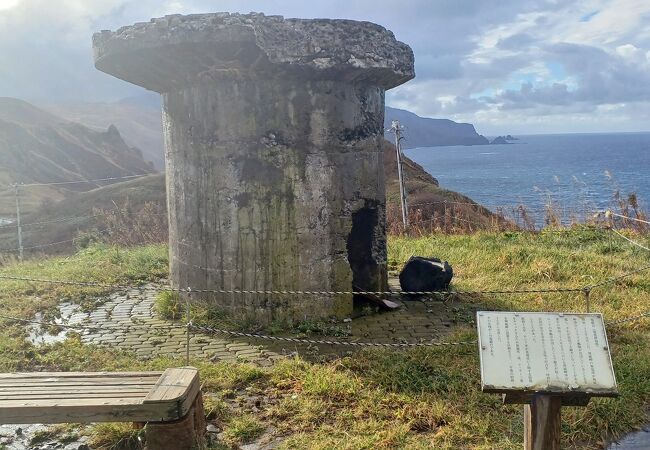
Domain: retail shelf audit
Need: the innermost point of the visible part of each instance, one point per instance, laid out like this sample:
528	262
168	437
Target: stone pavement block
225	358
150	336
251	352
237	346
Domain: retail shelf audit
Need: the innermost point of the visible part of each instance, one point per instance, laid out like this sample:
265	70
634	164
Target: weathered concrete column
275	177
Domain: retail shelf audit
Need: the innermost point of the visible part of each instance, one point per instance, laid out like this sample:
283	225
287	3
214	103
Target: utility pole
20	230
396	129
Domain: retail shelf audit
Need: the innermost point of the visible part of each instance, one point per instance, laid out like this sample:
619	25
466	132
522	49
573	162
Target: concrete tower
273	128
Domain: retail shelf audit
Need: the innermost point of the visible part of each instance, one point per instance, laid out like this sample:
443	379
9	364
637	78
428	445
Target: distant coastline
428	132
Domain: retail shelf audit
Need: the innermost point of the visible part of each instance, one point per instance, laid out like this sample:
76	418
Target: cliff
39	147
427	132
138	119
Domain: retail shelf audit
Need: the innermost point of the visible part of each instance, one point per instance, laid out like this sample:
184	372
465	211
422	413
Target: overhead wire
95	180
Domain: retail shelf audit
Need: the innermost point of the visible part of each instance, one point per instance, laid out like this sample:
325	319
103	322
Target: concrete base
185	434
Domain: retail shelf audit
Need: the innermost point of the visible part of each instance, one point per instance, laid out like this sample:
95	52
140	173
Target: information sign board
555	353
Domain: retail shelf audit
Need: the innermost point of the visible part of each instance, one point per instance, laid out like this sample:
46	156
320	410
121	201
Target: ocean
578	173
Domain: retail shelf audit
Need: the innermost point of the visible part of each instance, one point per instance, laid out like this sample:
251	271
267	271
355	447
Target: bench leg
187	433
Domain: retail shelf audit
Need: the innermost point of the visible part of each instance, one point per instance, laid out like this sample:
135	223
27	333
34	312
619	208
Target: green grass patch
115	436
550	260
169	305
64	433
243	429
418	398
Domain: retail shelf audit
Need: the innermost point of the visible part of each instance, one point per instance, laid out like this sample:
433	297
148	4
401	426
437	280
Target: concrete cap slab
176	51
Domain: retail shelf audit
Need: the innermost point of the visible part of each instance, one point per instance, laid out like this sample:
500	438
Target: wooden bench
168	402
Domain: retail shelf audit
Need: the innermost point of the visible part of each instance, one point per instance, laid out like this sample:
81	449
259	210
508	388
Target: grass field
412	399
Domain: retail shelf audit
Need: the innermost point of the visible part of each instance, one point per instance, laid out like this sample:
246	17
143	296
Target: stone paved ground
127	320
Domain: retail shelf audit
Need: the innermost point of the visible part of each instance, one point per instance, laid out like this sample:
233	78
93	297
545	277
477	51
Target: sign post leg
542	423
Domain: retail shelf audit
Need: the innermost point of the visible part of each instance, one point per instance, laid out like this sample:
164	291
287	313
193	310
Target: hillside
76	215
427	132
39	147
36	146
137	118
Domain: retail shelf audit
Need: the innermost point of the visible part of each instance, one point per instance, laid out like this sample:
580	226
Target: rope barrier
630	319
441	216
71	218
504	224
630	240
208	330
45	222
626	217
619	277
189	326
327	341
65	219
434	219
444	202
189	290
294	292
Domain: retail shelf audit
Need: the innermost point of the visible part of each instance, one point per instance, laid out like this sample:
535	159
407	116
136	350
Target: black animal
425	274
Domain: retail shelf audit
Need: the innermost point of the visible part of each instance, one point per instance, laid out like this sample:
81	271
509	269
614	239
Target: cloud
56	35
551	69
541	64
516	42
601	78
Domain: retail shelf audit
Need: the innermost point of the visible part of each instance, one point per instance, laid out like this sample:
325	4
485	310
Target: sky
507	66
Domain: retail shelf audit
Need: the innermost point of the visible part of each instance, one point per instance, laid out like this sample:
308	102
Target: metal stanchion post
189	325
19	228
587	293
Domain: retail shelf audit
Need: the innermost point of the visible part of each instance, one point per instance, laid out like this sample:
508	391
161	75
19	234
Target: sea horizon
554	134
577	172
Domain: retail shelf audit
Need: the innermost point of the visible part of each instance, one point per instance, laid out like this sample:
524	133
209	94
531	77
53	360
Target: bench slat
74	411
57	397
172	385
62	396
67	402
28	375
143	384
71	390
95	380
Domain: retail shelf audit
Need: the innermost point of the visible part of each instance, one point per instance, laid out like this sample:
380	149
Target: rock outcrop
39	147
499	140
